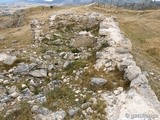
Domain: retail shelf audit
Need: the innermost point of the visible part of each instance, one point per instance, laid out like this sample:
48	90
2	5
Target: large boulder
140	81
125	63
131	72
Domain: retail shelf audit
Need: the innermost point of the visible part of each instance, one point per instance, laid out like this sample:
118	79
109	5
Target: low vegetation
74	66
24	113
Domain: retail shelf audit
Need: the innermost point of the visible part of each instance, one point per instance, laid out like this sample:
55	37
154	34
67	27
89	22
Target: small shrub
45	40
56	63
75	50
36	91
51	7
103	45
44	50
59	50
47	80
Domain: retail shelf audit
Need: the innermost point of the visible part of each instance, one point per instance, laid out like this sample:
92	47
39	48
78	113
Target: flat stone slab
10	60
39	73
3	56
98	81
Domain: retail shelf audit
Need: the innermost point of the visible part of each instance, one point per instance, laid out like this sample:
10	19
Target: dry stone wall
67	22
74	22
139	99
37	30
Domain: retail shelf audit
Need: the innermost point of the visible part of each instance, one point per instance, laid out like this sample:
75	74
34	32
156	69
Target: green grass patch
111	77
99	108
43	50
92	58
36	91
74	66
60	95
64	98
22	114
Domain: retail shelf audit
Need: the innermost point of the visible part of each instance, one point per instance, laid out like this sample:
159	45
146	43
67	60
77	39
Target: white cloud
85	1
48	0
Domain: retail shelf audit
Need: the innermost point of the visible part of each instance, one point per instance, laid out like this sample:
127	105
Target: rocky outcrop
139	102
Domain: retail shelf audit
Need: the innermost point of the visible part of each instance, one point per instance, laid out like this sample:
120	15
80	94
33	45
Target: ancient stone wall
74	22
139	99
37	30
67	22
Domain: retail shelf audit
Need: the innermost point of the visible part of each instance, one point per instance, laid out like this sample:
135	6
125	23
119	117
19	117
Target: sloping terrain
56	75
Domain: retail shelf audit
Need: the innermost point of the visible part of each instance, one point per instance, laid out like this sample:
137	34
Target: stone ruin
139	99
37	30
120	104
68	22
